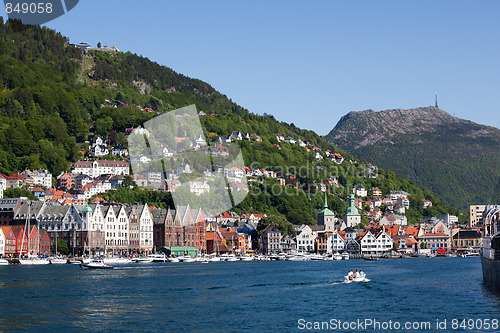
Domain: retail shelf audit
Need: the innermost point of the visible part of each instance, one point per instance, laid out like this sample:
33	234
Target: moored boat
345	256
158	257
186	258
142	259
40	261
337	256
58	261
117	260
298	257
3	262
96	264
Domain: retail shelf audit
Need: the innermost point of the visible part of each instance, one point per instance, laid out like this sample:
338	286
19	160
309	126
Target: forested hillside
47	117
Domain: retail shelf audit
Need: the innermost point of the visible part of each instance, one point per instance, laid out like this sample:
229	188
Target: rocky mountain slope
455	158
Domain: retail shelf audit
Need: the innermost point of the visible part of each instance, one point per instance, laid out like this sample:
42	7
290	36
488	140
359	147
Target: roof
413	231
467	234
316	227
434	234
391	230
351	210
411	241
270	228
326	211
15	176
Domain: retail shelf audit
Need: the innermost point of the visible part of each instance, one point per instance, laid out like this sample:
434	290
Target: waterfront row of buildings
112	228
125	229
331	235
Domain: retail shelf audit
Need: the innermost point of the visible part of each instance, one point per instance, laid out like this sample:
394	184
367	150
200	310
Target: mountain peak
427	145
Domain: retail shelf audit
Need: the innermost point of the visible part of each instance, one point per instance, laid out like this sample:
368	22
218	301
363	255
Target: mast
22	241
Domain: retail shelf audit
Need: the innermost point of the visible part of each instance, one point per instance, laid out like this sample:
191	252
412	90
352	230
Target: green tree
99	45
279	222
128	182
62	247
18	192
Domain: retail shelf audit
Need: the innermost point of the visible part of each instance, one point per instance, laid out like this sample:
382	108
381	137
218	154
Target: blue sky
311	62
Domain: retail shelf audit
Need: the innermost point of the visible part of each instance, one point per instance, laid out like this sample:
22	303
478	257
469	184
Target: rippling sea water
244	296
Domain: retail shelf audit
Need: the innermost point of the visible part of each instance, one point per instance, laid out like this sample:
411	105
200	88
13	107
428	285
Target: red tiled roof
411	241
412	231
15	176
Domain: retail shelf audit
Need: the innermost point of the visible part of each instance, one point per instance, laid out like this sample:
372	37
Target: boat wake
335	282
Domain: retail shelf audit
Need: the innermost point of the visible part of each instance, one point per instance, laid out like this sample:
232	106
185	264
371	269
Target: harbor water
257	296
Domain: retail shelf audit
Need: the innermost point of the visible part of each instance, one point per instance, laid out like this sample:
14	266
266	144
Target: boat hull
90	266
491	272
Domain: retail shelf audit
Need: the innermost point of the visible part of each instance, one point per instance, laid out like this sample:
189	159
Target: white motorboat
316	257
232	258
3	262
345	256
75	262
186	258
213	259
298	257
96	264
246	258
58	261
33	261
337	256
470	254
40	261
356	279
173	259
142	259
117	260
158	257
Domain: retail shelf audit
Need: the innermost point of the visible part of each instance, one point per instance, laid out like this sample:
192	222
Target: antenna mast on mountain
436	103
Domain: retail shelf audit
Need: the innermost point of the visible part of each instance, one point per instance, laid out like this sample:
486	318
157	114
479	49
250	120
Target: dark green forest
50	107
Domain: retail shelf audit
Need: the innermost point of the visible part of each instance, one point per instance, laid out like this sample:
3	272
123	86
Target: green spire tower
326	216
